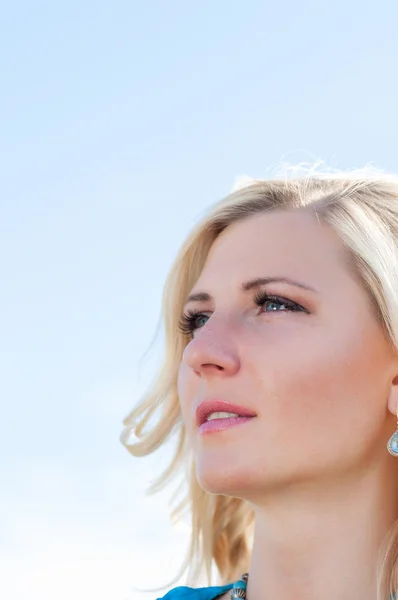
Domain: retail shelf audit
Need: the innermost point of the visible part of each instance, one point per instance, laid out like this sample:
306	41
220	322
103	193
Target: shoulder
188	593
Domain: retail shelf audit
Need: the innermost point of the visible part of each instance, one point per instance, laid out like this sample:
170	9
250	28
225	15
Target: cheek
323	388
186	386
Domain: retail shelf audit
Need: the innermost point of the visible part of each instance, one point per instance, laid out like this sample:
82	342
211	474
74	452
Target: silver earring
392	445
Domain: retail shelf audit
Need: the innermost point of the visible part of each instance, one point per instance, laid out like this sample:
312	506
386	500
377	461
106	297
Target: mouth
216	415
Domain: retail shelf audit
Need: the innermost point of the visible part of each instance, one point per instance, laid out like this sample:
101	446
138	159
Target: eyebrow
251	285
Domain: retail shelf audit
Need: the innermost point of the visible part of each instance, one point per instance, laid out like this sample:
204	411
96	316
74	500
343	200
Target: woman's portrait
199	300
280	381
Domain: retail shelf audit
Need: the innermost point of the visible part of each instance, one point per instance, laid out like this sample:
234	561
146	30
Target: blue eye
199	318
265	300
191	321
274	305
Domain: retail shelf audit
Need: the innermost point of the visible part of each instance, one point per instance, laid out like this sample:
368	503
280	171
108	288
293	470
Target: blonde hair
362	207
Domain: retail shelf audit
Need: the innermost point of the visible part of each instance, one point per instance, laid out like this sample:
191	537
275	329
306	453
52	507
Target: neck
315	542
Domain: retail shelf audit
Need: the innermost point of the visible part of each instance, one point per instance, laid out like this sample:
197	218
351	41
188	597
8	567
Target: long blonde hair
362	206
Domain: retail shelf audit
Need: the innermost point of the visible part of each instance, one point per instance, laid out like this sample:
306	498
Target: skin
313	463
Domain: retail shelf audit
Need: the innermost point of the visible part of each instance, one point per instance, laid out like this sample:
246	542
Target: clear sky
119	123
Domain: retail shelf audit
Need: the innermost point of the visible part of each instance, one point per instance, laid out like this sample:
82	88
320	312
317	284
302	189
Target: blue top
188	593
207	593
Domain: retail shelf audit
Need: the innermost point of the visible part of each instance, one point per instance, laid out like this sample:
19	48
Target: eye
191	321
271	303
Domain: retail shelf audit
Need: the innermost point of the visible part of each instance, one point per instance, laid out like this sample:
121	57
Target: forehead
290	243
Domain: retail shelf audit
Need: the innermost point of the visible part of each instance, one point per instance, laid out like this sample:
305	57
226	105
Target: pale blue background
119	123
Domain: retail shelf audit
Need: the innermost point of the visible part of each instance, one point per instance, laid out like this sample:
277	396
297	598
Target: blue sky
120	122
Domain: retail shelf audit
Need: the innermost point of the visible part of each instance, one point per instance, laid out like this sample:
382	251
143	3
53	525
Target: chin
225	484
244	478
232	479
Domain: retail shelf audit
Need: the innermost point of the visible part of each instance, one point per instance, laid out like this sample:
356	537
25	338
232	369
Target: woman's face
311	363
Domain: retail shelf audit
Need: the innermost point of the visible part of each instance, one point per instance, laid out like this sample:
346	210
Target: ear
392	403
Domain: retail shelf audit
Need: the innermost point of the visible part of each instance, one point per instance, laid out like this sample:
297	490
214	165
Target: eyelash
186	323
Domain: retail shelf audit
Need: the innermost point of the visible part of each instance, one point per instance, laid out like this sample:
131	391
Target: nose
212	352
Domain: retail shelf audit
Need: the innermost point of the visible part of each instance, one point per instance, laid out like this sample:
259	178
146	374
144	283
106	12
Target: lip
207	407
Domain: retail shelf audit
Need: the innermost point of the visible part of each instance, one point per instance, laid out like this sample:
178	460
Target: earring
392	445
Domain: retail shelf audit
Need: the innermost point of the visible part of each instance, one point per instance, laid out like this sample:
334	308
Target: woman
280	380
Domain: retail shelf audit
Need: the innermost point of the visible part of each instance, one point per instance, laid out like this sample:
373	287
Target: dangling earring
392	445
